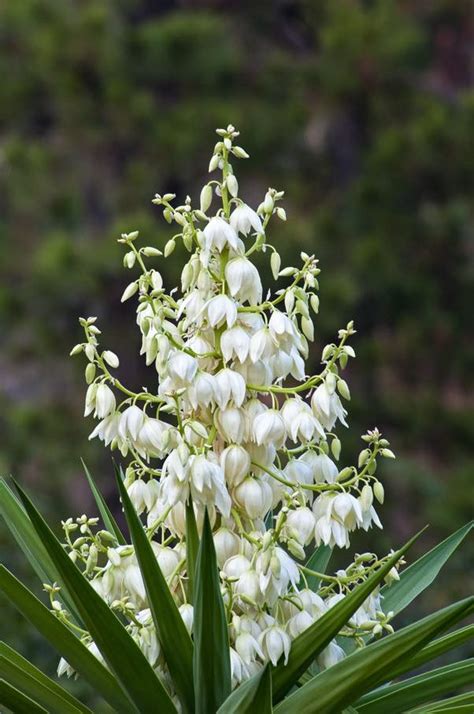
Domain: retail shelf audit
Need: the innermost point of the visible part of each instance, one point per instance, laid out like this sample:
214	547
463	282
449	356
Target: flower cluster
236	427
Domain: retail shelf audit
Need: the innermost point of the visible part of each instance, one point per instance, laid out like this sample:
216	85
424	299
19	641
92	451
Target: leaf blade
400	697
120	651
318	561
346	681
211	664
313	640
171	631
107	518
192	546
62	639
254	695
17	702
33	683
418	576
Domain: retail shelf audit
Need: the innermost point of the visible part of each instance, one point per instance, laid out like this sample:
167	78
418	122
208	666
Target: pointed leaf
107	518
29	680
398	698
211	639
171	631
25	535
312	641
318	561
254	695
346	681
118	648
462	704
192	546
63	640
17	702
418	576
435	649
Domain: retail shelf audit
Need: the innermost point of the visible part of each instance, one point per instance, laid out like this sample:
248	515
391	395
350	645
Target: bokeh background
362	111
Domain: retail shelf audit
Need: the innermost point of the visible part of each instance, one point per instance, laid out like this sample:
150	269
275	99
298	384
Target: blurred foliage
363	111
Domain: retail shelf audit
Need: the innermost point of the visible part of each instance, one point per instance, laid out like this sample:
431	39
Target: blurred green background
362	111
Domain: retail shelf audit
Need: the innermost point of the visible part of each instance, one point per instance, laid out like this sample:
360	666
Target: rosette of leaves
366	680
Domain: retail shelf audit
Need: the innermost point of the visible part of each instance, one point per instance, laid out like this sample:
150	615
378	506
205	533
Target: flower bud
205	199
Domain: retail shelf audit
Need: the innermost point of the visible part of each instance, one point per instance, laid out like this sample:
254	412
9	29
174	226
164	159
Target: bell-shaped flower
221	310
269	426
131	422
182	368
202	391
207	482
347	508
275	642
243	218
218	234
327	407
235	462
229	385
322	467
332	654
235	342
227	544
104	401
243	280
254	496
231	423
300	524
248	648
300	422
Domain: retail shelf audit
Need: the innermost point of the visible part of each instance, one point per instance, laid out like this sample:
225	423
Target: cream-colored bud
205	198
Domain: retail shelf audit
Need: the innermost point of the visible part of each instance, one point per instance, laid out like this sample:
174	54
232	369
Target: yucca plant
217	597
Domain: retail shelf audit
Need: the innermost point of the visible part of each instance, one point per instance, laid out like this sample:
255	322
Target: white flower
235	566
300	524
219	234
322	467
131	421
231	423
275	643
254	496
243	218
226	544
137	492
238	670
300	422
248	586
221	309
243	280
346	507
104	401
235	461
202	391
261	345
150	436
269	426
229	385
208	484
276	570
107	429
235	342
282	329
187	613
248	648
299	623
167	558
327	407
332	654
182	368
